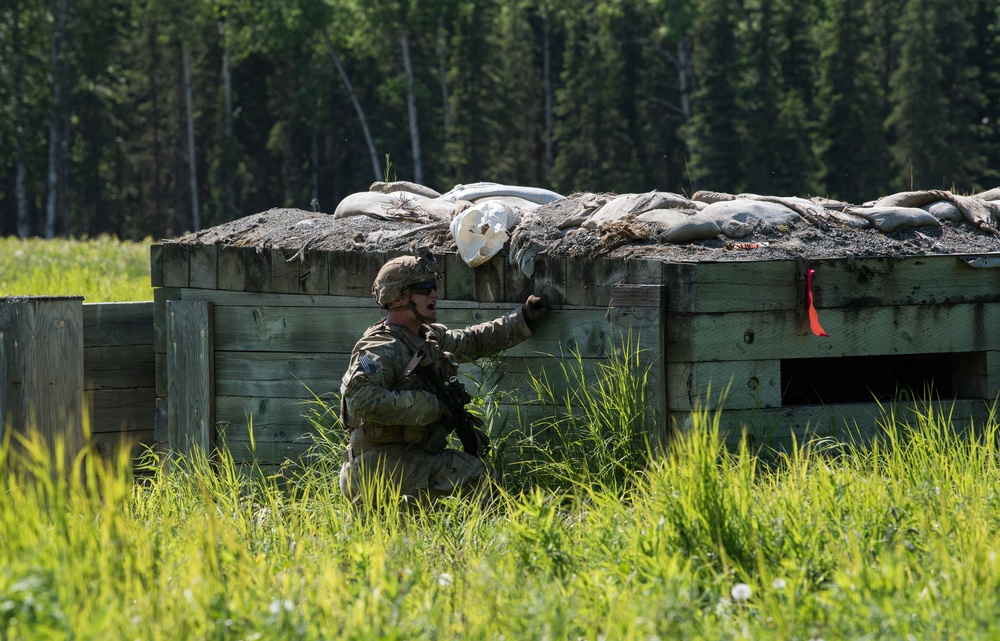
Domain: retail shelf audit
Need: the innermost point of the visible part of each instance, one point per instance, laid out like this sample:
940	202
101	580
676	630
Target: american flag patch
367	363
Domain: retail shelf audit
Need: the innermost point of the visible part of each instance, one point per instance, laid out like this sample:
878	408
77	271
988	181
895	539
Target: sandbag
680	226
441	209
480	190
403	185
615	209
379	205
975	211
944	210
743	210
849	220
633	204
994	206
912	198
888	219
989	194
711	196
514	201
481	230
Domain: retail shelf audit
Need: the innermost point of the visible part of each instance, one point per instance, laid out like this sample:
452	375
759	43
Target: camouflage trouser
417	473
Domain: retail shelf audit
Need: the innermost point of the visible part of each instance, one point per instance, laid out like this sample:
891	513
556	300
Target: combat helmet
399	274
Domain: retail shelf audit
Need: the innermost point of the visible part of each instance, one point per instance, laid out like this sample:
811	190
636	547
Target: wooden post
190	377
41	368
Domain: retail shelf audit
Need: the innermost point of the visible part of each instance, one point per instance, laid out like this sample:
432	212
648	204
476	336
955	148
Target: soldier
399	398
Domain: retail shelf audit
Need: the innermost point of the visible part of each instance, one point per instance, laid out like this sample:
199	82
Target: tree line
155	117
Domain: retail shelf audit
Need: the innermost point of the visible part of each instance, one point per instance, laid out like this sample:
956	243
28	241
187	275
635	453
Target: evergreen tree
593	150
986	56
924	152
715	164
476	95
521	154
851	140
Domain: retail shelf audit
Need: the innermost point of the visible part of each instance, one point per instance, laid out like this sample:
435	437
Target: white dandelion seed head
779	584
445	579
740	592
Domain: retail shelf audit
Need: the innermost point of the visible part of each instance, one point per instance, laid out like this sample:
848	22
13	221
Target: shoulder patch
367	363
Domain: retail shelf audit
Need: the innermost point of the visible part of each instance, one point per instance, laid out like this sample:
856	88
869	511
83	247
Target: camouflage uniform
394	416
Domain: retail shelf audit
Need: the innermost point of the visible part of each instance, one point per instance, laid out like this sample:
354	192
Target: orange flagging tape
813	315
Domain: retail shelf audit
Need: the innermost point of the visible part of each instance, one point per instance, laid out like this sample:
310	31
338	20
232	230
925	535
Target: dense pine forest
160	116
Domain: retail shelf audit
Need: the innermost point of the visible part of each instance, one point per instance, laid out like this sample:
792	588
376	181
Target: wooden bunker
245	336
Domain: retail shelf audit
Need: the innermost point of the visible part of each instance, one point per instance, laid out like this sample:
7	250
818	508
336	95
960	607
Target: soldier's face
425	301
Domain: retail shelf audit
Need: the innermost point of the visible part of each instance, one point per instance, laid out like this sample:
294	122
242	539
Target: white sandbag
887	219
480	190
481	230
744	210
944	210
371	203
514	201
681	226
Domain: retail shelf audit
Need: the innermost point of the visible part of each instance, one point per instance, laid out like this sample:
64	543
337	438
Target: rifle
455	397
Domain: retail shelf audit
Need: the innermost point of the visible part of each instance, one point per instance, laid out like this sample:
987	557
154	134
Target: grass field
829	542
596	539
102	269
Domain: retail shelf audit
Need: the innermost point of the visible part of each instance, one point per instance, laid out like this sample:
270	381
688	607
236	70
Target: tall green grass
102	269
894	540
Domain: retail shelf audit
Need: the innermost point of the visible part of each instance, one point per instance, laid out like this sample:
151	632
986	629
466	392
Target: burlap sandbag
848	220
887	219
627	205
680	225
371	203
440	209
975	211
403	185
912	198
710	197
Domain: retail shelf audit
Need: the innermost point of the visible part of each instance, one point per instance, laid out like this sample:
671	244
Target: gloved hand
535	307
436	439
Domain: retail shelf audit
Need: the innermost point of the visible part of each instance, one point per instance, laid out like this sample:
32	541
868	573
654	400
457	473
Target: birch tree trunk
411	108
443	79
192	160
23	226
685	77
55	128
547	82
229	145
372	152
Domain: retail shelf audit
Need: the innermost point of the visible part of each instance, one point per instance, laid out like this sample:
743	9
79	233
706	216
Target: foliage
827	541
102	269
846	98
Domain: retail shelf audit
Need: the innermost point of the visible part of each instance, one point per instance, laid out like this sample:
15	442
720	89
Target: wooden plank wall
283	330
41	370
120	375
728	327
87	364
